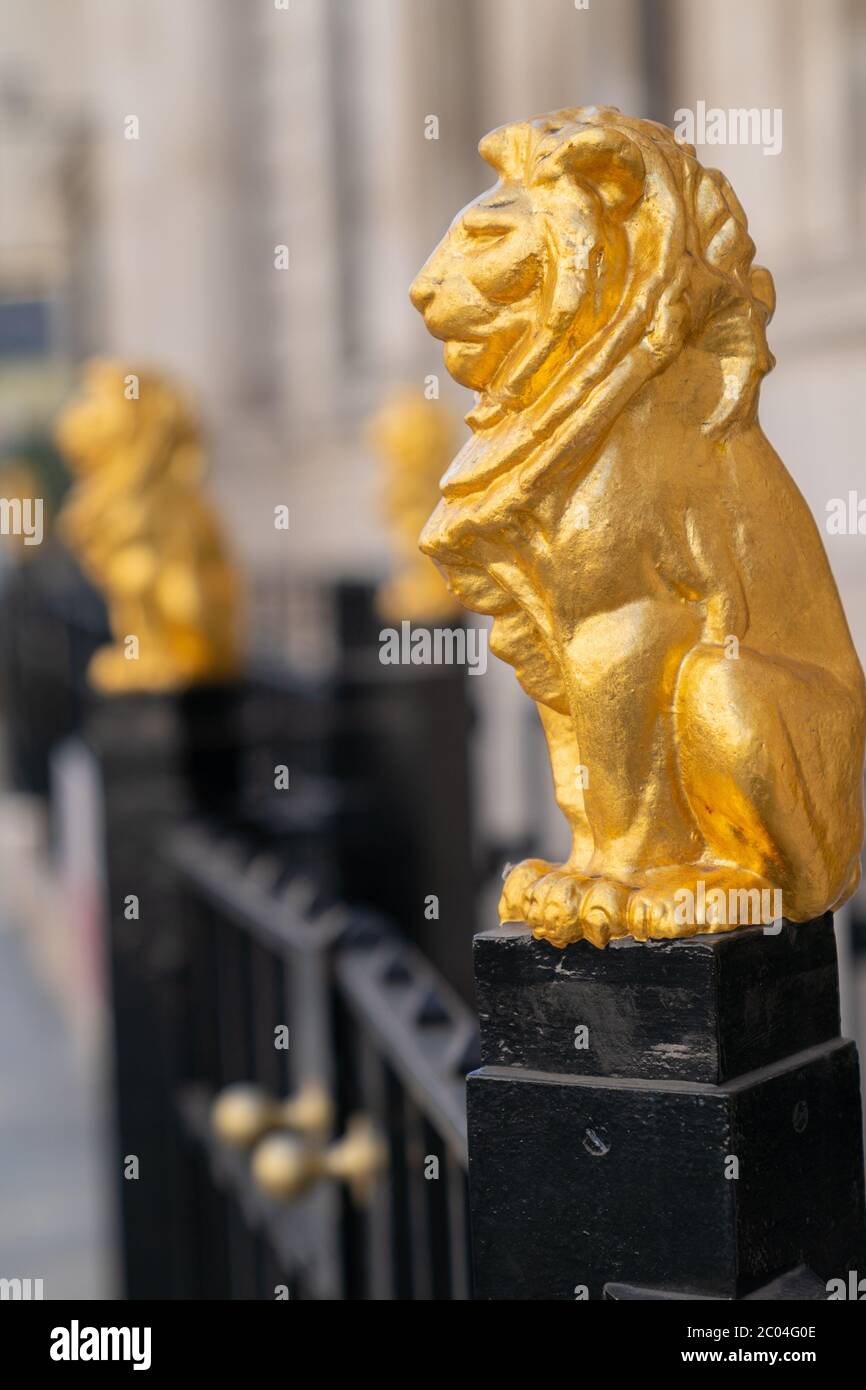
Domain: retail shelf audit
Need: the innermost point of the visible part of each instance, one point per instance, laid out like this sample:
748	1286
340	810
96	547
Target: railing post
666	1118
157	758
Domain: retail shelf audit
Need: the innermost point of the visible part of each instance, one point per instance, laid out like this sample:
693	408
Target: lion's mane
686	276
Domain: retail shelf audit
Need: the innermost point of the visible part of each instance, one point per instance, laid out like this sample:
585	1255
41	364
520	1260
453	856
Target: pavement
56	1217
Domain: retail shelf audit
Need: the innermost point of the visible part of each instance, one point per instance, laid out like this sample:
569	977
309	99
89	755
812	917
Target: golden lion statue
653	574
414	438
144	535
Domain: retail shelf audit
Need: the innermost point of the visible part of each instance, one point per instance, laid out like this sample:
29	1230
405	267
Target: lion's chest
602	548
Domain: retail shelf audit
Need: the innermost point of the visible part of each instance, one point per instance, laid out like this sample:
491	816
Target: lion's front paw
518	883
693	900
562	905
652	914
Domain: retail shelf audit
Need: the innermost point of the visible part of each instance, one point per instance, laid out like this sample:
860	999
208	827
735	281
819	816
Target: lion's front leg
613	768
568	782
548	896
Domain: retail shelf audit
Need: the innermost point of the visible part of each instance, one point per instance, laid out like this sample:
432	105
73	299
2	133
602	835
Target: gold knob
286	1167
242	1113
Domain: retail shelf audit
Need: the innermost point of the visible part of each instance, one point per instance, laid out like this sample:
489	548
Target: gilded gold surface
141	530
286	1167
653	574
414	438
242	1113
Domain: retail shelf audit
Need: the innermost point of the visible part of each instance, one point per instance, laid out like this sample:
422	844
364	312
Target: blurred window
25	328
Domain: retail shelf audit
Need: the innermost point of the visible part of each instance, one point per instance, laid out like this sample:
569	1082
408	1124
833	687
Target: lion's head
603	248
136	425
538	259
130	437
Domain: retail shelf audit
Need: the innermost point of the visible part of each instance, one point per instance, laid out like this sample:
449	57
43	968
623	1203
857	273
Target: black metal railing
372	1022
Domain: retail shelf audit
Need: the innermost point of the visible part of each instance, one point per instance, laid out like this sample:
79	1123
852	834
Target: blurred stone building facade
304	125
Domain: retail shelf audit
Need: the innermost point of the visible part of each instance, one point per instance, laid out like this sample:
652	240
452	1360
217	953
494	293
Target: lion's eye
486	231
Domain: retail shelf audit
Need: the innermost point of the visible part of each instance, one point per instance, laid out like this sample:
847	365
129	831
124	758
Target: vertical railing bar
436	1189
421	1255
398	1187
379	1215
458	1229
265	989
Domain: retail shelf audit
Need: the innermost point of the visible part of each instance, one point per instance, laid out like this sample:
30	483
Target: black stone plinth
614	1162
704	1008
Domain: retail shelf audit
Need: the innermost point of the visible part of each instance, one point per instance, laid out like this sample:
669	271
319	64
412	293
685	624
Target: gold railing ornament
141	530
244	1113
287	1167
653	574
414	439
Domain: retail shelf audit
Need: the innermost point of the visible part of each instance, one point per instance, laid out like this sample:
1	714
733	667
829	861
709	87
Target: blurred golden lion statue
653	574
143	533
414	438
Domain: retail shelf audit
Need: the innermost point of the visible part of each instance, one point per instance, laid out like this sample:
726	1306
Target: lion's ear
606	158
504	149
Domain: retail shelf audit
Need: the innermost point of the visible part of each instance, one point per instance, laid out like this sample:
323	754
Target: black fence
376	1029
275	940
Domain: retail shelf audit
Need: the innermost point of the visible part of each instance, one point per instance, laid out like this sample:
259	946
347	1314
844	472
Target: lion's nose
422	291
